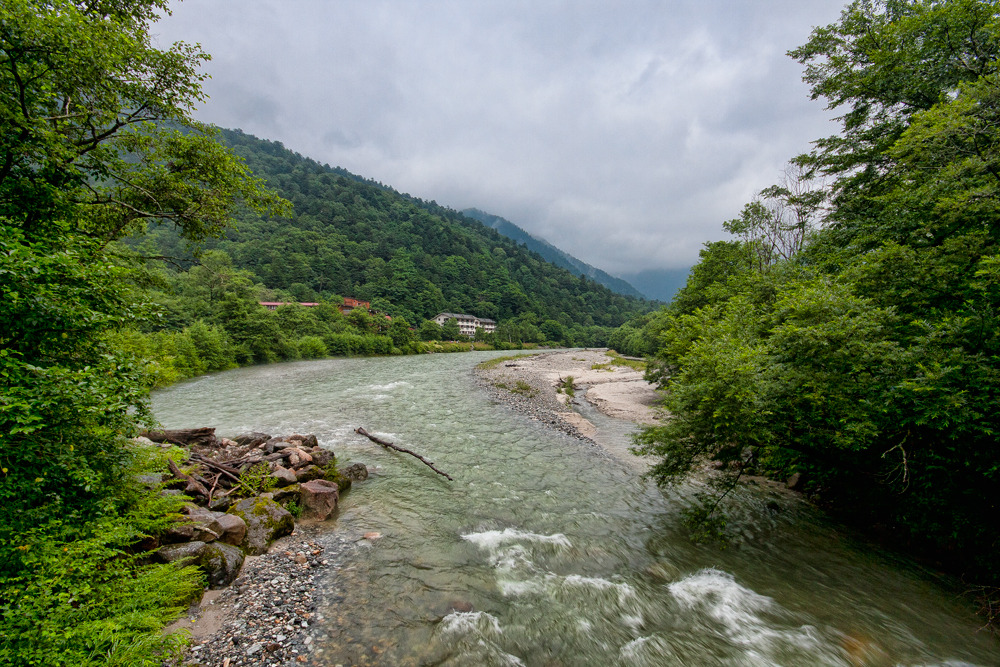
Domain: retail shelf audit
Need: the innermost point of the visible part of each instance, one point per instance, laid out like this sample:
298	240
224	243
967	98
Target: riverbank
549	387
531	530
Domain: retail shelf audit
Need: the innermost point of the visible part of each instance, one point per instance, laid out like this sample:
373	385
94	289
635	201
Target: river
546	551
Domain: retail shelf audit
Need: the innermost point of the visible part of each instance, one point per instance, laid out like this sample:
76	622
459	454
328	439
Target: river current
546	551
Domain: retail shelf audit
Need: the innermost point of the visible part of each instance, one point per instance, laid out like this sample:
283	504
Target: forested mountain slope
551	253
349	236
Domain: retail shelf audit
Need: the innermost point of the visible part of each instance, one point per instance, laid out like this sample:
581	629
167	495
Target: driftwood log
389	445
184	436
193	485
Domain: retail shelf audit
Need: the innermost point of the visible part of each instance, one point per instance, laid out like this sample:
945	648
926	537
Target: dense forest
551	253
348	236
95	140
850	331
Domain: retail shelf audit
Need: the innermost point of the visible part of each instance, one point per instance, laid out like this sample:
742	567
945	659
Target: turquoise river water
546	551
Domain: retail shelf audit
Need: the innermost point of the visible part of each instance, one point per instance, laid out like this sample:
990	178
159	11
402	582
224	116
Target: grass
619	360
567	385
523	388
520	387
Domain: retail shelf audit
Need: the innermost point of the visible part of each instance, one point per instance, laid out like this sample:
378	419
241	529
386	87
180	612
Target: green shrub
312	347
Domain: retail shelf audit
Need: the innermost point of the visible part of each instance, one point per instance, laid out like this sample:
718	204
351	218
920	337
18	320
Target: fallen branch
389	445
229	472
184	436
193	485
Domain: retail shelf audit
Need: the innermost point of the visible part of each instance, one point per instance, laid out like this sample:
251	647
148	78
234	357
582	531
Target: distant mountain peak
551	253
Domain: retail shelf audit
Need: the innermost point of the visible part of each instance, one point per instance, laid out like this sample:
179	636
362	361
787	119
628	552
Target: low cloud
624	133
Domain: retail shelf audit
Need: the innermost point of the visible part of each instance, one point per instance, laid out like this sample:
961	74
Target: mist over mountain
553	254
352	236
659	284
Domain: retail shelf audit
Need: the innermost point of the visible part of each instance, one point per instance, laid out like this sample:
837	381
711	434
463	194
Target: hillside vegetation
348	236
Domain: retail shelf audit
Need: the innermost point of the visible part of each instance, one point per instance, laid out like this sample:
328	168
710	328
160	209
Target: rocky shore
255	530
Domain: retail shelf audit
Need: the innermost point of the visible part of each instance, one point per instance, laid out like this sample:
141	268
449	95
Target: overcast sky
623	132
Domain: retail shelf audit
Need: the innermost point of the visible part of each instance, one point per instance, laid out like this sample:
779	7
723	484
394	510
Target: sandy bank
532	385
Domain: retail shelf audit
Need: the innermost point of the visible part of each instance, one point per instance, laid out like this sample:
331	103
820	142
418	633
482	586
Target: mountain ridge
352	236
552	253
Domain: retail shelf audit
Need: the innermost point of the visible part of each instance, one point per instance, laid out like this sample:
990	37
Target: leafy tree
429	330
866	356
553	331
399	332
95	142
450	330
354	237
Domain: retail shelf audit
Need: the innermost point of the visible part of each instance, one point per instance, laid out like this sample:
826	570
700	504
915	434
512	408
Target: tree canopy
95	141
869	357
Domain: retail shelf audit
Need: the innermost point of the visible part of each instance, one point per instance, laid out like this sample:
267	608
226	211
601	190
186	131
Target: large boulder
321	457
309	473
286	494
283	476
188	552
298	457
234	529
203	525
221	563
319	499
307	440
266	521
206	525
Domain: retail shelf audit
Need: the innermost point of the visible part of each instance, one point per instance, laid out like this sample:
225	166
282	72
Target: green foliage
493	363
619	360
312	347
411	259
429	330
450	330
256	480
95	142
869	356
523	388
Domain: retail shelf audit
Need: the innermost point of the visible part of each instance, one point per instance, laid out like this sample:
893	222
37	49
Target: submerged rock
356	472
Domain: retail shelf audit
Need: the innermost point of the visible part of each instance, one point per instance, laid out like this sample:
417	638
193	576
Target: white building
467	324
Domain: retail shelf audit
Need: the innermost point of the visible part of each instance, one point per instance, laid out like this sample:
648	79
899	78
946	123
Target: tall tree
95	141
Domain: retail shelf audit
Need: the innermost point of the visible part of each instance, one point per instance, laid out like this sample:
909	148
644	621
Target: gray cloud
625	133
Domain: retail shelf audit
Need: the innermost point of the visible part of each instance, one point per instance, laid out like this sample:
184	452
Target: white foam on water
739	616
632	621
625	592
650	651
466	622
518	587
478	632
492	539
390	386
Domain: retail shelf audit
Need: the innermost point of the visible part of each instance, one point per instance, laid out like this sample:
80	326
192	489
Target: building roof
288	303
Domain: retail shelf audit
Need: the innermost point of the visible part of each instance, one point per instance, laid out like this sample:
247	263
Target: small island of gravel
549	387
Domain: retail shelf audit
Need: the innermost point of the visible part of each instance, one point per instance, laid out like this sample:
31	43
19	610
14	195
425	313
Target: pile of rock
244	492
